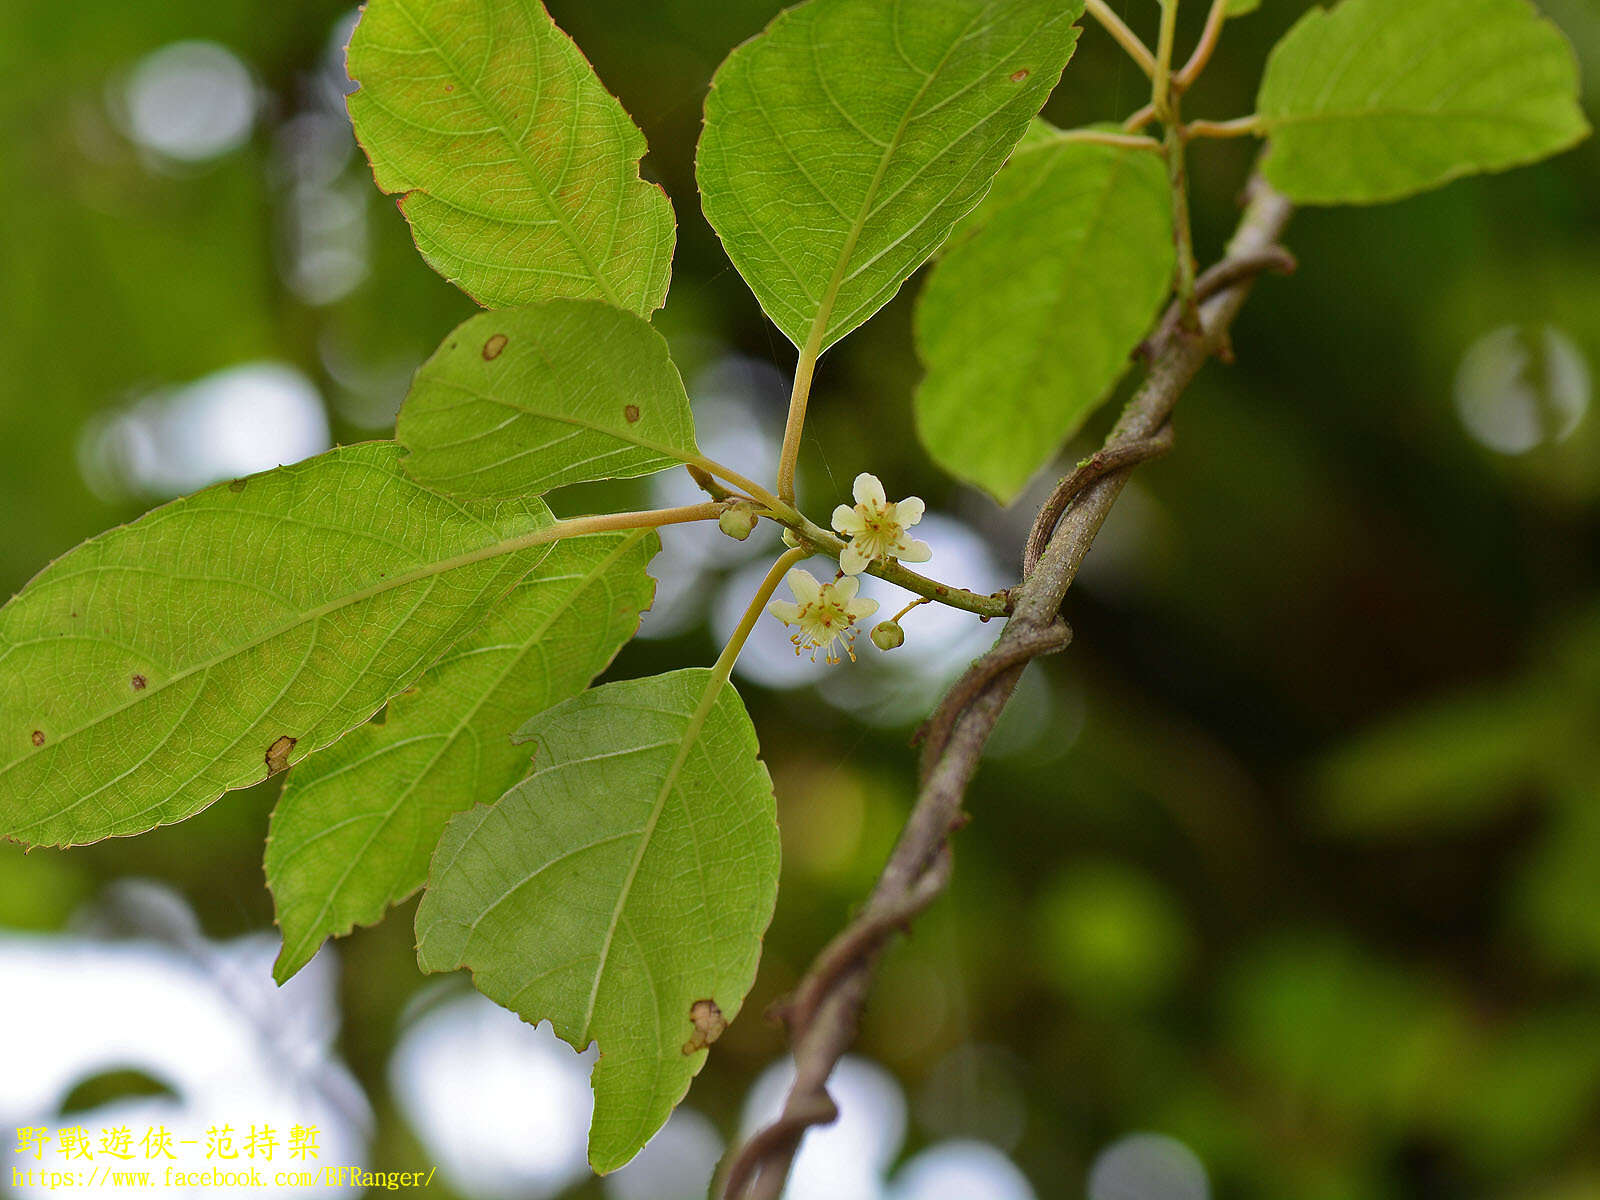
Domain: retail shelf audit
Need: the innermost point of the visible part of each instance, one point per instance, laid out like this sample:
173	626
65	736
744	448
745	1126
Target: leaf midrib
819	324
1496	116
691	735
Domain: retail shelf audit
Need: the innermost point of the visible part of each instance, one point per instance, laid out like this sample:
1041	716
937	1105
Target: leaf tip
287	965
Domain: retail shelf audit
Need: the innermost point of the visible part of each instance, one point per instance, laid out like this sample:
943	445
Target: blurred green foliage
1293	856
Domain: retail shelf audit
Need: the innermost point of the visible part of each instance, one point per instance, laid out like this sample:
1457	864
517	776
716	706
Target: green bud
790	540
737	522
887	635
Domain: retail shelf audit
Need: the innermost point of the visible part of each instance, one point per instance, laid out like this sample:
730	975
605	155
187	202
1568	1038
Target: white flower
826	613
876	528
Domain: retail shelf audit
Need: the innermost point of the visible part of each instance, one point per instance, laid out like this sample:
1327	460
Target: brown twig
1103	462
1033	643
1218	278
824	1017
862	936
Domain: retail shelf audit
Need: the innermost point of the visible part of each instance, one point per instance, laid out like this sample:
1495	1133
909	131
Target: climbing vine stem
1176	145
827	1003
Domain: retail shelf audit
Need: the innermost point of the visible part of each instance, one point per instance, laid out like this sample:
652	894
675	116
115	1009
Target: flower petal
785	611
909	511
844	589
804	585
847	520
856	609
869	490
852	561
909	551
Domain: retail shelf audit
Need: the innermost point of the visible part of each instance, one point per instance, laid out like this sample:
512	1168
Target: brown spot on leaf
237	485
449	87
631	413
708	1025
1019	75
38	737
492	348
139	683
278	754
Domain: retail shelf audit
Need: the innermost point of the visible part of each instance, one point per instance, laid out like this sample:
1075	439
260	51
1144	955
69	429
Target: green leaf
518	171
356	824
1027	321
1376	100
224	636
521	401
621	890
842	144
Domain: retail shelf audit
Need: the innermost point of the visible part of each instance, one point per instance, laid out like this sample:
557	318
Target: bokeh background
1284	882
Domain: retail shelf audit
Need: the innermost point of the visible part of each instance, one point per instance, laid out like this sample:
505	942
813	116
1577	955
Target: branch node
1226	274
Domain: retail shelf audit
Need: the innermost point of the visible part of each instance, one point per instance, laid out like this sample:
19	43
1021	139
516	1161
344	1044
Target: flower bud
887	635
737	522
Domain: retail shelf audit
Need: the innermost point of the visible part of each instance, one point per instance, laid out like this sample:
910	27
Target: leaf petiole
1124	37
1250	126
1161	94
1099	137
799	394
1207	46
652	518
